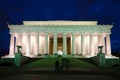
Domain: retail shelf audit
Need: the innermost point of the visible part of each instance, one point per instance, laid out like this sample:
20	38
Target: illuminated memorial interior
60	37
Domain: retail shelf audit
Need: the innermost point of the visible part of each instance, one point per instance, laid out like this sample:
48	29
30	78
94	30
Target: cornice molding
59	22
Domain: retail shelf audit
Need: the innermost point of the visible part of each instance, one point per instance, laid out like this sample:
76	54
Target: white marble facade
85	37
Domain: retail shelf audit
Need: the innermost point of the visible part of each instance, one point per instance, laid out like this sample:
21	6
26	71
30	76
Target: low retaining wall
111	62
6	60
101	61
19	59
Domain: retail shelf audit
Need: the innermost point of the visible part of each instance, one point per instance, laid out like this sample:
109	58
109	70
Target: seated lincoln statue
59	52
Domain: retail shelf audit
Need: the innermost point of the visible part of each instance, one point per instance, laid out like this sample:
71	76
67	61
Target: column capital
64	44
82	34
64	34
16	34
55	34
91	33
55	43
23	34
34	33
107	34
46	33
73	33
100	33
12	34
27	34
37	34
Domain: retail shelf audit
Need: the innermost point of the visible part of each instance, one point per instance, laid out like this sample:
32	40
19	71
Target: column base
110	56
30	55
8	56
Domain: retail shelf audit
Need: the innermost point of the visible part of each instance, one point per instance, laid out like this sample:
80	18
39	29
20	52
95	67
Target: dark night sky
16	11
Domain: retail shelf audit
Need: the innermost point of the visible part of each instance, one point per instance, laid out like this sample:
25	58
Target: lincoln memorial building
60	37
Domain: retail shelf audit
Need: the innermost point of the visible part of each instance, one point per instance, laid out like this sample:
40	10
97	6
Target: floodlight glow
87	43
41	43
95	43
33	44
24	43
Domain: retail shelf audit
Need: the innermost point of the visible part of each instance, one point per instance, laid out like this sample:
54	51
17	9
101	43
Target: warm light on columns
24	43
71	43
95	40
103	42
87	44
11	51
100	39
16	41
19	39
48	44
40	43
108	44
28	45
33	44
82	44
78	44
37	42
91	45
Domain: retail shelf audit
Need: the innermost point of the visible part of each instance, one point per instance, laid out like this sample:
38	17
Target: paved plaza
58	77
51	74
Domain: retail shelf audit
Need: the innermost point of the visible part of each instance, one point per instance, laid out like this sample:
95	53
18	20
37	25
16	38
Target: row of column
55	43
30	44
93	47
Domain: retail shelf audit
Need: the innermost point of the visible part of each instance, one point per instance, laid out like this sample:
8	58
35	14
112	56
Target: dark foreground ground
74	73
44	69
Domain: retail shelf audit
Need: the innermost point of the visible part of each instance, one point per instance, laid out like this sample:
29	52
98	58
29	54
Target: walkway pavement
74	73
58	77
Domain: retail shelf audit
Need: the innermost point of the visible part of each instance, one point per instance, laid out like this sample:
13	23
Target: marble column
31	44
24	43
35	45
40	43
19	39
108	44
96	44
37	42
16	41
103	42
43	44
79	48
28	44
11	51
55	43
91	45
100	39
46	43
64	44
82	44
73	44
76	44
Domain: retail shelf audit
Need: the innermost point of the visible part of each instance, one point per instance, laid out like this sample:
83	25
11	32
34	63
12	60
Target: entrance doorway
60	45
